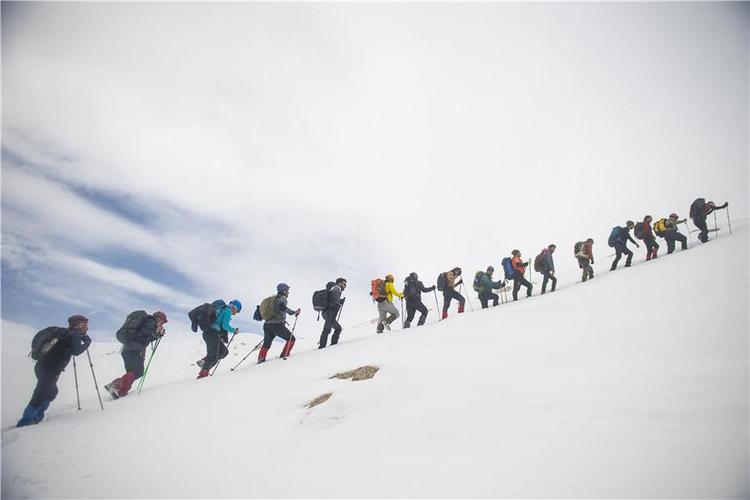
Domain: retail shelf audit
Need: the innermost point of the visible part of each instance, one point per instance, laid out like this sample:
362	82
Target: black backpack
697	208
133	323
442	281
320	297
577	248
202	316
638	230
411	290
45	340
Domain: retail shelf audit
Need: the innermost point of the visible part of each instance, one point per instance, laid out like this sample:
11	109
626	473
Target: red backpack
378	290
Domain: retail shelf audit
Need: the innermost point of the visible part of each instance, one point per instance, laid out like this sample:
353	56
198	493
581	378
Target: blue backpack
508	268
613	236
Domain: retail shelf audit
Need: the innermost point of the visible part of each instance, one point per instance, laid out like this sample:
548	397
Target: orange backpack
378	290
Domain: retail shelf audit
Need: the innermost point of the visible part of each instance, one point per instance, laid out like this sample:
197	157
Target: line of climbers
53	347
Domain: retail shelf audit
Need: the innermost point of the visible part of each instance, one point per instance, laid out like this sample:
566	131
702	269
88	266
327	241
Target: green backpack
477	281
268	307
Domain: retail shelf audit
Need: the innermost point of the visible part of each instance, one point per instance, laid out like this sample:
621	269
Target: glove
341	302
592	262
297	312
236	331
224	337
194	327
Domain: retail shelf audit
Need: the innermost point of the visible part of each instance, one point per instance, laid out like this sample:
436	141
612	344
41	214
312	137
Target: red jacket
647	232
588	250
518	265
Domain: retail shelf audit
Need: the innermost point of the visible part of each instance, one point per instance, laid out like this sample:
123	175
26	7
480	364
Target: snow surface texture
632	385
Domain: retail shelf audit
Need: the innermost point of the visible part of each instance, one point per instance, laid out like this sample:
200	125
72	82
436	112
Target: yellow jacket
390	290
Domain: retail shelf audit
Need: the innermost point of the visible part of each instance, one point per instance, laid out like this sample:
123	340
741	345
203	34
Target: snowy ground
632	385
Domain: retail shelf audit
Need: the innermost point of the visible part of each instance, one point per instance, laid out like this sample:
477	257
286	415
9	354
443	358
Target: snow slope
632	385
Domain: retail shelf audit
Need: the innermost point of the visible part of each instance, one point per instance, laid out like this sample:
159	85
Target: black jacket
72	343
413	290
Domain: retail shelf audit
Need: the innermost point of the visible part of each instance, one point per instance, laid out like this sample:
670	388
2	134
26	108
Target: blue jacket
222	321
547	263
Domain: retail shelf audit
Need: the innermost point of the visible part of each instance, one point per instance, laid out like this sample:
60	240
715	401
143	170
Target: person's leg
544	281
495	299
618	254
411	310
283	332
528	286
422	313
393	313
517	278
382	314
328	321
446	302
484	298
649	244
336	332
670	242
554	282
629	253
211	338
268	336
682	239
700	223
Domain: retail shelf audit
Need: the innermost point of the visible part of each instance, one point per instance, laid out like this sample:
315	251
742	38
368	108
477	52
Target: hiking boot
200	362
445	315
386	325
460	308
29	417
203	373
111	388
406	324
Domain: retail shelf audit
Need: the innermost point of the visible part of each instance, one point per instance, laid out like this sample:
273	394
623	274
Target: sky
156	156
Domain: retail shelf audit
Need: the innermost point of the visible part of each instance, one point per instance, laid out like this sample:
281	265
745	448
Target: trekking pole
218	340
248	355
468	297
402	313
94	377
437	307
290	336
145	372
716	226
690	234
75	375
728	221
338	317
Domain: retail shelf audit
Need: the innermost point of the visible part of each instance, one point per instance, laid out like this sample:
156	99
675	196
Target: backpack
378	290
697	208
577	248
256	314
660	227
44	341
320	297
477	281
613	236
202	316
133	323
538	262
508	268
268	307
411	290
442	281
638	230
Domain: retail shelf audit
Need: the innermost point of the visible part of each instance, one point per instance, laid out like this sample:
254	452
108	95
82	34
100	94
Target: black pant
46	385
673	236
519	280
215	348
621	248
134	361
585	264
412	306
273	330
329	315
547	277
485	296
451	293
700	223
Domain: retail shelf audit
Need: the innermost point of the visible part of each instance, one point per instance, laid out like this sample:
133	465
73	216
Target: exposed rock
361	373
319	400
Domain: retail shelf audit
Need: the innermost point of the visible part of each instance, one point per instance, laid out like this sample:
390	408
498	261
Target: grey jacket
280	310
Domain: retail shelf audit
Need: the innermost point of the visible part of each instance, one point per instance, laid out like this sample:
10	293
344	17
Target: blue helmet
282	288
236	304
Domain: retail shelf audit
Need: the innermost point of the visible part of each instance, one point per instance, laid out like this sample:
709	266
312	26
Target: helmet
389	277
673	216
282	288
630	223
161	316
490	269
414	276
236	304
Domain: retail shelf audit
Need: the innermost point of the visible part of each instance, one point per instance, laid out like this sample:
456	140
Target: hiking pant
387	313
46	384
519	280
621	248
547	277
700	223
651	248
588	271
134	362
412	306
270	332
215	348
484	298
451	293
673	236
329	316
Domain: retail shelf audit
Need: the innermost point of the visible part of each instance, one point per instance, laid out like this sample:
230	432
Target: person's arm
631	239
224	321
389	286
424	289
79	342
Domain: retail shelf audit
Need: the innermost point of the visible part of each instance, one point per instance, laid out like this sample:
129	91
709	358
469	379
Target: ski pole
94	377
218	341
437	306
75	375
145	372
690	234
468	295
728	221
248	355
338	317
716	226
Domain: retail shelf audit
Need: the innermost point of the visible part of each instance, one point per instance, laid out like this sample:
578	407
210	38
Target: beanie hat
160	315
282	287
76	319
